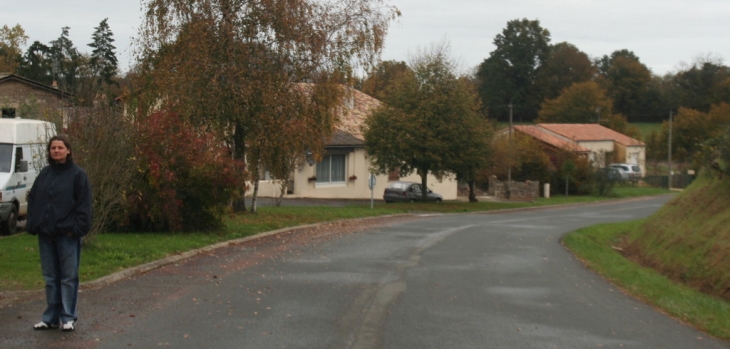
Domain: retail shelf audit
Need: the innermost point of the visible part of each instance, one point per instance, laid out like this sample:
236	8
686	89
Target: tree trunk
239	149
255	194
472	194
279	199
424	184
255	177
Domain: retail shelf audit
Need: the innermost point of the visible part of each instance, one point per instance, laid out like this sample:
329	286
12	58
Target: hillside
688	240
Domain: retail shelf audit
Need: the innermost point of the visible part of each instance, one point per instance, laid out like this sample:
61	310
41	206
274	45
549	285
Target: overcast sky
663	34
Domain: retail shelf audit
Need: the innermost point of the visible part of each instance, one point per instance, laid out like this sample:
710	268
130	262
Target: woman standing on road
59	212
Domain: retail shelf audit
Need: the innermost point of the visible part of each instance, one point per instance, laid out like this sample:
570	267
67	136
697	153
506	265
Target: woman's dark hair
65	141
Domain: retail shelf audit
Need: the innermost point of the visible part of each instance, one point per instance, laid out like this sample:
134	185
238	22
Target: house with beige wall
344	171
603	144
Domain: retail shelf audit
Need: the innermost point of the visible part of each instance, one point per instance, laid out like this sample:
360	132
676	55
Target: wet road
498	280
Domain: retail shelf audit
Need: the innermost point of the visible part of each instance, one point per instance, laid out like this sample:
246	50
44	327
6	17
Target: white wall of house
598	150
635	155
357	166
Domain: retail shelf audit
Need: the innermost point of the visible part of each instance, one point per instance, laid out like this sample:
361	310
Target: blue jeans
60	258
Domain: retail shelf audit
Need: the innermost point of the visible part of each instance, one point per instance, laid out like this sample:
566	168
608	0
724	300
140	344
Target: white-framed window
332	168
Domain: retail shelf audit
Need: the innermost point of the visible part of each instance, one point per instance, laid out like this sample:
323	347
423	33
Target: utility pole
669	152
509	160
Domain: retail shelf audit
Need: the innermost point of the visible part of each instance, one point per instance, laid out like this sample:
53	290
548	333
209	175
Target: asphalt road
498	280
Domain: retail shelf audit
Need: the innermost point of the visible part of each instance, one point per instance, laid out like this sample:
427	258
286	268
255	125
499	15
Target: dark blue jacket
59	203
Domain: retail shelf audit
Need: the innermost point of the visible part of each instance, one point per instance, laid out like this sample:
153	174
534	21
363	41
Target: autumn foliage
187	176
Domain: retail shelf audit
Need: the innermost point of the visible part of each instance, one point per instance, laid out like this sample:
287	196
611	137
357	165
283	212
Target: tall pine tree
103	57
68	57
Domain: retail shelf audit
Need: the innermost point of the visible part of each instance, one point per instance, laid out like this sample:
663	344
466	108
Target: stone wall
518	191
14	93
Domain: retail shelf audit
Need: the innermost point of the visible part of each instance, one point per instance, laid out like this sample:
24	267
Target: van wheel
11	225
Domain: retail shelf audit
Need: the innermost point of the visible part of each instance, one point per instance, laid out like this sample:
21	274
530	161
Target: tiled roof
12	77
343	139
550	139
356	108
590	132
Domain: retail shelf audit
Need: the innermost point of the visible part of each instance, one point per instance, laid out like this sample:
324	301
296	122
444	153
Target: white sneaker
68	326
44	326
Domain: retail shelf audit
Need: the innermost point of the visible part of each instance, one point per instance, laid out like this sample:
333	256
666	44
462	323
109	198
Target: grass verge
595	246
113	252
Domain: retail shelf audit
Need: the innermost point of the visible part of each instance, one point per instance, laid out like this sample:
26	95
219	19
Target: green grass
595	246
646	128
687	245
688	239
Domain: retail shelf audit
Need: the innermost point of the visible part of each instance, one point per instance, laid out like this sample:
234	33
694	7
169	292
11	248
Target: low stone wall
518	191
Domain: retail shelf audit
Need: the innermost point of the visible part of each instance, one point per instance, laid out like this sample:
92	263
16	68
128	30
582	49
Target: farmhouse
601	144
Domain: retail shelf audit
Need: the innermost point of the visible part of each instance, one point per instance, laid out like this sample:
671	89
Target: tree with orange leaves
231	66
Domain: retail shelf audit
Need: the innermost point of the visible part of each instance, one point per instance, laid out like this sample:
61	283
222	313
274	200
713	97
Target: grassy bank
20	266
670	257
689	238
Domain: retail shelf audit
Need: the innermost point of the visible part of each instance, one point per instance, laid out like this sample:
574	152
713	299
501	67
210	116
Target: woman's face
59	151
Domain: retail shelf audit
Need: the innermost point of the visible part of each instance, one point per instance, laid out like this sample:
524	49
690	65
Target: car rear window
399	185
636	168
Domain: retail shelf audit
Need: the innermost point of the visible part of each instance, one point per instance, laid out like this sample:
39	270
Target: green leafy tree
228	65
429	123
11	42
716	153
67	57
691	130
703	84
565	66
584	102
473	145
605	62
381	76
37	63
509	75
627	82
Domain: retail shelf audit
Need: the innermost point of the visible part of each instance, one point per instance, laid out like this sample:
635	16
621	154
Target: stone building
19	96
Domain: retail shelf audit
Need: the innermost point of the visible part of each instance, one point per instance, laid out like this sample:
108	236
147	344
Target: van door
19	179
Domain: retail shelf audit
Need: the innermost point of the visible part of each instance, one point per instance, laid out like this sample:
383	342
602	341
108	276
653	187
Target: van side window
6	156
18	158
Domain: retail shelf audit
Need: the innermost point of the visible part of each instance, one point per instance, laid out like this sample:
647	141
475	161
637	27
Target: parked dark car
408	192
616	174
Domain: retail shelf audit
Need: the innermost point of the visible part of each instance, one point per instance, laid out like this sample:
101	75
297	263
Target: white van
22	156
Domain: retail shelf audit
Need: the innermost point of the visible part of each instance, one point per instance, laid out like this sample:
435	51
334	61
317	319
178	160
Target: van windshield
6	157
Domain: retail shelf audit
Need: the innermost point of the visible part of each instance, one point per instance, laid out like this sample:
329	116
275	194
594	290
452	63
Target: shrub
187	176
103	147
